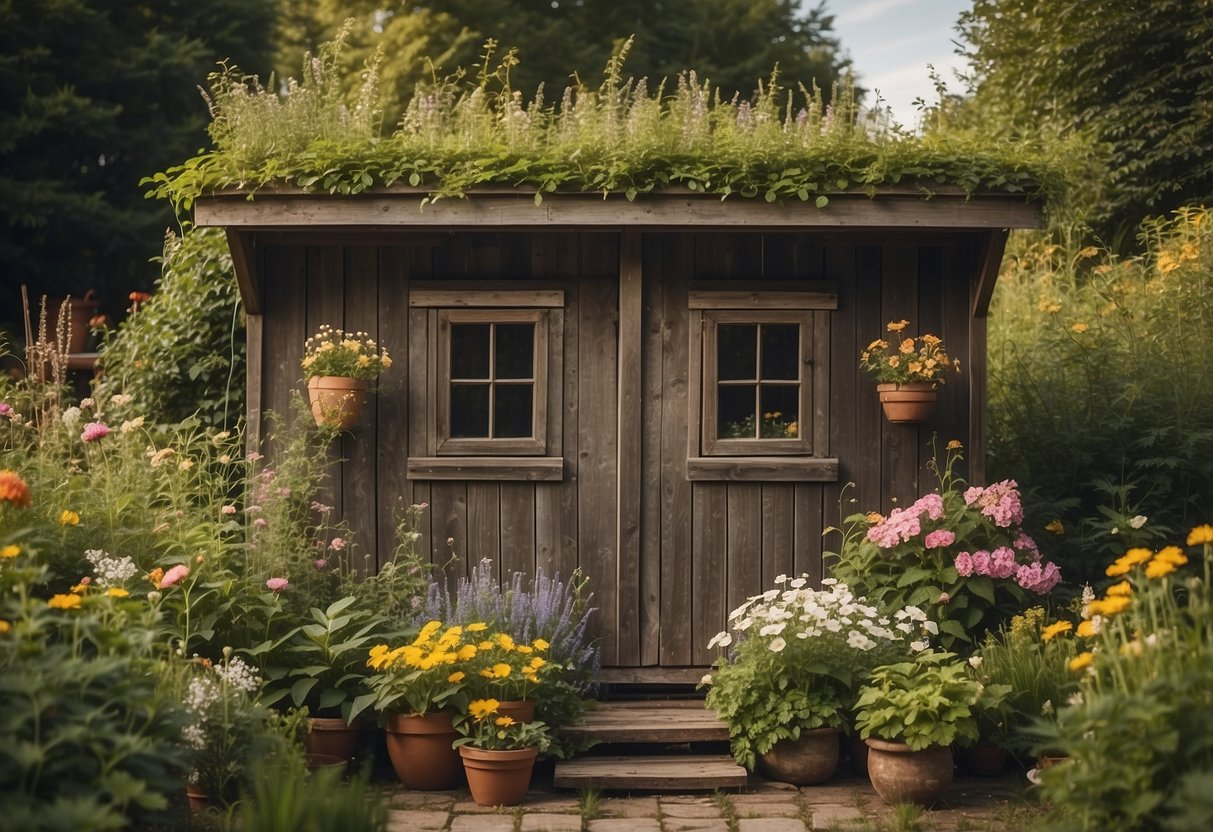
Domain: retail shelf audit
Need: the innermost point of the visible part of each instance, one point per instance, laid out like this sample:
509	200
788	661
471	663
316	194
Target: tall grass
1100	396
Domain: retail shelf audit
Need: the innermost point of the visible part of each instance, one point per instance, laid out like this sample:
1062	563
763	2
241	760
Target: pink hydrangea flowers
999	501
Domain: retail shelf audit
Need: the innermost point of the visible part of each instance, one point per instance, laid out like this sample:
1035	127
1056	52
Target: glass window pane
470	351
780	411
737	351
469	410
515	350
781	351
512	410
735	412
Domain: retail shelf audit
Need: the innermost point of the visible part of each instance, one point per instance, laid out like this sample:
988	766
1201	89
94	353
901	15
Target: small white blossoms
239	675
974	662
71	416
110	571
777	644
1137	522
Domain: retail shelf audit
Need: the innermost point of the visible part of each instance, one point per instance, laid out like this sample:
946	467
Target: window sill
762	469
508	468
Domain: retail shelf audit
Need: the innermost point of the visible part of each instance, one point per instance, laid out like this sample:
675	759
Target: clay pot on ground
907	403
420	750
806	761
498	778
900	775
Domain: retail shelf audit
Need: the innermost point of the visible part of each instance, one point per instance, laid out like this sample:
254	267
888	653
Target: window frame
808	303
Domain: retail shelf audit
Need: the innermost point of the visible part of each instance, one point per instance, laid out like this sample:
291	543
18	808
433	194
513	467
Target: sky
891	42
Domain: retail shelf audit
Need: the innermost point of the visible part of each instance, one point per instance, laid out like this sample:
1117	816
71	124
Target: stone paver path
845	804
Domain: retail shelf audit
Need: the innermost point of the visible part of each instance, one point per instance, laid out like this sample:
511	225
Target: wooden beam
254	328
529	469
485	212
469	294
762	294
987	276
761	469
244	261
628	483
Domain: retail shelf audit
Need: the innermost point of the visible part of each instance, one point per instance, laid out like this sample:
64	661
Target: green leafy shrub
1139	736
926	702
183	352
1097	400
283	796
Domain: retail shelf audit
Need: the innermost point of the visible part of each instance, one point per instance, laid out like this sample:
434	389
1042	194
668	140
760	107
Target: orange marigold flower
1109	606
1173	555
1122	588
897	326
13	489
1087	629
954	444
10	551
64	602
1136	556
1082	660
1117	568
1159	568
1055	629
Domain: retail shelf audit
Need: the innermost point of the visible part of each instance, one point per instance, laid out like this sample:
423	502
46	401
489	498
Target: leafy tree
733	43
1136	76
94	95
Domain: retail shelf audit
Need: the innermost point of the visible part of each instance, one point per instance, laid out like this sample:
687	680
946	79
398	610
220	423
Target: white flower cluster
804	613
239	675
110	571
71	416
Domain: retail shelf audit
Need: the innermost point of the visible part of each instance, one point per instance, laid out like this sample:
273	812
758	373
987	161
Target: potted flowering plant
797	656
498	753
508	672
418	687
910	713
337	366
907	372
959	553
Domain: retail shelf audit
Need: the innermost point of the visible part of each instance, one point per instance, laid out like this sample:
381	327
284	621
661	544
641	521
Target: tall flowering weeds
960	553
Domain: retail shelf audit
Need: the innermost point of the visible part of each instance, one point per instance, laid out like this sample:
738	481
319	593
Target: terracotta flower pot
986	760
520	710
420	750
807	761
498	778
907	403
198	799
79	311
332	736
316	760
900	775
336	400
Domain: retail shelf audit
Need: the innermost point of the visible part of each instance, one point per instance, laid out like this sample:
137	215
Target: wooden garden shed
664	393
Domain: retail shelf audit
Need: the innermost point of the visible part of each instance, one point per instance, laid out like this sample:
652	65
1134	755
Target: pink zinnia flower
94	430
174	576
939	538
5	410
229	510
277	584
320	563
261	522
338	544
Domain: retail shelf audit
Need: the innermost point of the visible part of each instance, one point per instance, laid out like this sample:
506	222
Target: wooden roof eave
401	209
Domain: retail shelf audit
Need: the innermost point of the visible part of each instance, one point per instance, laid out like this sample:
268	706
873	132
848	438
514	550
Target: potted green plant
909	714
337	365
498	753
418	689
907	373
328	670
797	656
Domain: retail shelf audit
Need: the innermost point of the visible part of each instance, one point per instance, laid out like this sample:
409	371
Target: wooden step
675	773
655	722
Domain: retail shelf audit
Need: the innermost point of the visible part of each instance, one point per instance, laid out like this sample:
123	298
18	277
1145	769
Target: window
763	381
486	360
492	381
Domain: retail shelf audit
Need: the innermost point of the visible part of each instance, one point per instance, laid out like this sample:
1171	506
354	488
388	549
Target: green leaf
822	201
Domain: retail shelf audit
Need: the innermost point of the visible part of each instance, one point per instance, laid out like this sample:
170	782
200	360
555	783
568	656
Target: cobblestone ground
847	804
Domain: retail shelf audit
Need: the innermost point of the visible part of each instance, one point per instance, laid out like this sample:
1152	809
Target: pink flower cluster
277	584
93	431
903	524
939	538
999	501
174	576
1034	578
1002	563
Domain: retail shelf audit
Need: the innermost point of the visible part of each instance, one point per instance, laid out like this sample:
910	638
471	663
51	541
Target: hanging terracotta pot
420	750
332	736
806	761
498	778
907	403
336	400
520	710
900	775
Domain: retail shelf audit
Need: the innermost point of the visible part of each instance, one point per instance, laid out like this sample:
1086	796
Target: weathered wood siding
667	557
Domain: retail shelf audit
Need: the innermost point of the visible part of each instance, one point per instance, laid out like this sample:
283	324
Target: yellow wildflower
874	517
497	671
480	708
116	592
907	346
67	517
540	644
1200	534
793	429
506	643
1109	606
897	326
5	626
504	721
1117	568
486	645
1173	555
427	632
1080	328
1087	629
1081	660
467	651
1122	588
79	588
64	602
1055	527
1159	568
1137	555
10	551
954	445
524	648
477	627
1055	629
457	676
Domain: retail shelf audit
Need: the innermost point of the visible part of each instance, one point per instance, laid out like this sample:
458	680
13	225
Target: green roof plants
630	136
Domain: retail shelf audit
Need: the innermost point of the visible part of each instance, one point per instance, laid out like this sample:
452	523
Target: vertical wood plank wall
664	579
